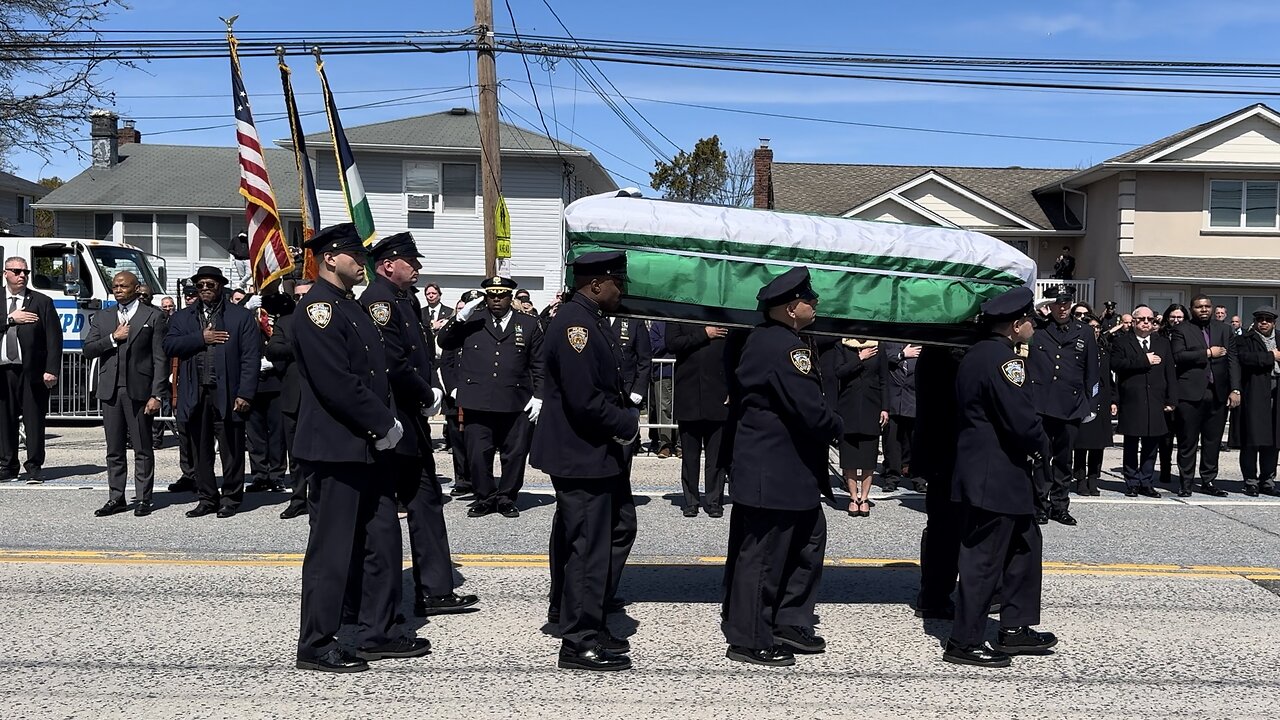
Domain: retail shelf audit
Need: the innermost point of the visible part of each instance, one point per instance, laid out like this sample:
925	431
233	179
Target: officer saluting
997	422
777	532
411	356
346	427
580	441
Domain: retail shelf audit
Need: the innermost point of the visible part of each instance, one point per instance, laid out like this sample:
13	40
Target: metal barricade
656	398
72	398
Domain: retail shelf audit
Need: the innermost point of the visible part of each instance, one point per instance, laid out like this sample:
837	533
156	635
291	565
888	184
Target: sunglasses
208	285
1144	319
19	271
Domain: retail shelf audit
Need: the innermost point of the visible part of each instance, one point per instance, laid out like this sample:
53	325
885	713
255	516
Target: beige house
1195	212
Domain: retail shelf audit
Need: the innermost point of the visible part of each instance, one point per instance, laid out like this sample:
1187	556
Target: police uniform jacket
344	392
498	370
270	380
998	428
1142	390
235	363
934	437
1259	409
583	407
1063	370
699	388
448	362
279	351
785	425
411	354
637	355
1194	366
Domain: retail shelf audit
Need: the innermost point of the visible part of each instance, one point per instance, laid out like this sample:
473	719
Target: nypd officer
997	421
777	532
499	372
1063	372
581	442
411	356
347	428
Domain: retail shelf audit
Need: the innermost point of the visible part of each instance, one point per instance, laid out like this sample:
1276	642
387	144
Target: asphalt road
1164	609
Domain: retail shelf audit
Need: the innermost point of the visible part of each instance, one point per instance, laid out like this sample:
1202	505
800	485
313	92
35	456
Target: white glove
636	399
437	400
266	365
470	309
534	408
254	302
454	393
392	438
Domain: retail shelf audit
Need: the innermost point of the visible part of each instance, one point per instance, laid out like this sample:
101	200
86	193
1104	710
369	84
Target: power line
528	74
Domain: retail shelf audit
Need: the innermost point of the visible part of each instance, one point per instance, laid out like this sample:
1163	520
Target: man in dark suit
453	415
133	376
500	375
1145	387
31	355
1204	355
436	313
264	426
699	406
1260	408
219	346
279	351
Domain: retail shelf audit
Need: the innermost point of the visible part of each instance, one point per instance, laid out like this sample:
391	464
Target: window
215	237
23	213
442	187
171	235
1242	305
1244	204
459	195
104	226
138	231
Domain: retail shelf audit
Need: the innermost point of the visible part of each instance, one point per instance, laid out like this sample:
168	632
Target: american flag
268	252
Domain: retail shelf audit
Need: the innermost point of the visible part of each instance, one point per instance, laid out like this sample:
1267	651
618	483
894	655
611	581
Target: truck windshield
111	260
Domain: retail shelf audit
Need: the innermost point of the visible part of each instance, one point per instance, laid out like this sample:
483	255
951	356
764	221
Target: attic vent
458	111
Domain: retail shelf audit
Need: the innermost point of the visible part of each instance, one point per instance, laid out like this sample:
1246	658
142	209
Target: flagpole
348	174
306	181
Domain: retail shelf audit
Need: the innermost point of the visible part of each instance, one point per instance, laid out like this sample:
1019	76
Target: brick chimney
128	134
763	158
104	138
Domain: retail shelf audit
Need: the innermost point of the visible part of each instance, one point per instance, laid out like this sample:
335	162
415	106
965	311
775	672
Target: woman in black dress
1096	434
864	406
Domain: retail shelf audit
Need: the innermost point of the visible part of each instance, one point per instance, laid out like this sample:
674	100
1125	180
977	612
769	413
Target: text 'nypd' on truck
77	274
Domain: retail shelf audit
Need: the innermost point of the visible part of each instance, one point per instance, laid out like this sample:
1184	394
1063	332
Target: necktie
11	335
1208	344
1146	345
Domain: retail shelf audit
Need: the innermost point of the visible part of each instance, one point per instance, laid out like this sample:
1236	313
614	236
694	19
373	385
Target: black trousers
622	536
265	435
458	450
352	557
1258	466
298	498
700	440
1200	426
123	420
772	572
418	490
582	550
507	434
203	426
27	397
1053	483
1086	469
998	551
1140	460
939	543
186	456
897	444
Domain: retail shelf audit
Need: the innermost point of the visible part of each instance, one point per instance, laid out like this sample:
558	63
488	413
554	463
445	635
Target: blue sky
168	97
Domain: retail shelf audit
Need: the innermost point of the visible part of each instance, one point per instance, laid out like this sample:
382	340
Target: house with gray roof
1195	212
420	174
17	195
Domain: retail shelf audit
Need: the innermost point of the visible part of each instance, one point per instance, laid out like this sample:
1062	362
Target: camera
1110	304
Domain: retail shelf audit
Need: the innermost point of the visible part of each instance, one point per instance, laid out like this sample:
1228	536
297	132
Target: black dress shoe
979	655
226	511
142	509
946	612
480	509
293	511
1024	641
1251	490
462	493
405	647
1063	517
111	508
596	658
334	661
182	486
1042	518
1131	492
1184	493
776	656
508	509
616	645
715	511
1267	490
1149	492
443	604
201	510
800	639
1212	490
260	486
691	511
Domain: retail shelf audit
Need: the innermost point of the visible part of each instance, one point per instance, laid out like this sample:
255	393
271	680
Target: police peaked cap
393	246
498	285
790	285
1010	305
336	238
600	264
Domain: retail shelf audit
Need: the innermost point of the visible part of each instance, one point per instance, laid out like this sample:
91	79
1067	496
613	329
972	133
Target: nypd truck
77	274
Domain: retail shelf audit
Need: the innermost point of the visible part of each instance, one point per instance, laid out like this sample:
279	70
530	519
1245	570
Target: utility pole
490	145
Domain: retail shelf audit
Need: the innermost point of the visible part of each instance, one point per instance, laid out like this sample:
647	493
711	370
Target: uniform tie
11	335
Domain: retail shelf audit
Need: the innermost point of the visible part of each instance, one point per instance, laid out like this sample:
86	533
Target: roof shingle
443	130
1228	270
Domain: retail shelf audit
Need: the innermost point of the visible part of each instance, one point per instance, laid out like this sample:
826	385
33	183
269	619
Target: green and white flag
705	263
348	174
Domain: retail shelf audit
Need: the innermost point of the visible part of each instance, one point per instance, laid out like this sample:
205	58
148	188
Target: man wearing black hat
499	378
219	346
1063	373
347	432
581	442
411	355
1260	406
777	532
1002	542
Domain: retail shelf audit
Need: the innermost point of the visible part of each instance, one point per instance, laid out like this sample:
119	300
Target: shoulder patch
380	312
320	314
577	337
802	359
1015	371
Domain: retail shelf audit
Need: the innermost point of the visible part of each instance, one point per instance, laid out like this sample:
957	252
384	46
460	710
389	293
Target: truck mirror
164	277
71	275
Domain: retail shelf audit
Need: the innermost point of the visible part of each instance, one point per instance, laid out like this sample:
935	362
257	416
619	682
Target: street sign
502	227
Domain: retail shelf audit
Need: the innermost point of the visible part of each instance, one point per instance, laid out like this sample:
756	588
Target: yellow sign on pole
502	228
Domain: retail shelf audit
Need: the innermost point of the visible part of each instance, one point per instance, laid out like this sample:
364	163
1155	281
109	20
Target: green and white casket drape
705	263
